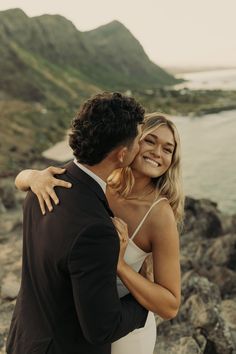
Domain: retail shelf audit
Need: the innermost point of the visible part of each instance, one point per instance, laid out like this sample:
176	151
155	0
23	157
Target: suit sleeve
103	317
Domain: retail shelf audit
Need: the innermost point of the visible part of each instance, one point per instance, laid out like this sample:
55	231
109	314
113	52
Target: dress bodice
134	255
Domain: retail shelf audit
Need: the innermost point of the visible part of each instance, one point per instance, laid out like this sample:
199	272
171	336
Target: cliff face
109	57
206	323
48	68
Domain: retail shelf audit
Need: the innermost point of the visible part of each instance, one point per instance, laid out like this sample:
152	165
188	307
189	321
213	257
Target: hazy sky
172	32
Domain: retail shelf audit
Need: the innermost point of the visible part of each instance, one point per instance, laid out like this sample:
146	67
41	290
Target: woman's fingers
43	184
119	224
53	196
47	200
60	183
56	170
119	221
41	204
121	228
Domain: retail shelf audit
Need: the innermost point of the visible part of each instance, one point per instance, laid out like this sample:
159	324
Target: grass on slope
27	129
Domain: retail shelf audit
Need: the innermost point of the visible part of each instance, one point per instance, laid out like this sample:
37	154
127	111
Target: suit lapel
79	175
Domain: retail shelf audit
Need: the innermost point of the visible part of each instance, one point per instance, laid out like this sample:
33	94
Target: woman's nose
156	151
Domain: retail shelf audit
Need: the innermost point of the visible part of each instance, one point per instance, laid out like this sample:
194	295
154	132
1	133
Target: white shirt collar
93	175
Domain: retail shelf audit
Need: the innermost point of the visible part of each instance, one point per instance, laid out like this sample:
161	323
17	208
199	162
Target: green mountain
38	58
47	67
108	57
120	60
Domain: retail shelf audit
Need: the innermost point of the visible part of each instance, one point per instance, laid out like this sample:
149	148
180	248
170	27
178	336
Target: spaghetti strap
145	216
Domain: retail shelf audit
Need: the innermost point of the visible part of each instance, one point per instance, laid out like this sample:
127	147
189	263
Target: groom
68	301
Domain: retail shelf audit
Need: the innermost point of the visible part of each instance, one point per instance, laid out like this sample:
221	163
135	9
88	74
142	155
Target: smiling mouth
152	162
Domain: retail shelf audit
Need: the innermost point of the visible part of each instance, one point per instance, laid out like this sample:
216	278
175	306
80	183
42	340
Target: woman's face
156	152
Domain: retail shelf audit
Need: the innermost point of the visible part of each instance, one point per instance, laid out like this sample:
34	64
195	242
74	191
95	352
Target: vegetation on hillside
186	102
48	67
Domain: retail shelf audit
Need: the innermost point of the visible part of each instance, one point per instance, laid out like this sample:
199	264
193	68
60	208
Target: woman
148	196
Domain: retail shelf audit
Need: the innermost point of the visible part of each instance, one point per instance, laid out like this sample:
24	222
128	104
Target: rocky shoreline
206	322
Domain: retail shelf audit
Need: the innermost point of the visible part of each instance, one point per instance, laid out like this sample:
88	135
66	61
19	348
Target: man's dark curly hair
104	122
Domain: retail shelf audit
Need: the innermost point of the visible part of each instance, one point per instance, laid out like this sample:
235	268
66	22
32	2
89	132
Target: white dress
142	340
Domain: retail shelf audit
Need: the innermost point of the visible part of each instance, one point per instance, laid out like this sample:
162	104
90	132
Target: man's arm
103	317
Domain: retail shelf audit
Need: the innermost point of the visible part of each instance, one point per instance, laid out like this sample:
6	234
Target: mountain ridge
109	56
48	67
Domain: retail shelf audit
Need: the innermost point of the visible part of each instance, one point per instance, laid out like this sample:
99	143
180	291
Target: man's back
68	302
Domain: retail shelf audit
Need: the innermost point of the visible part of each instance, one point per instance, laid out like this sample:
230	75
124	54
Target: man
68	301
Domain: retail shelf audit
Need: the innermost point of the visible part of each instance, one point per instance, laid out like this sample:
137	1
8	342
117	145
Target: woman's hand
42	183
122	230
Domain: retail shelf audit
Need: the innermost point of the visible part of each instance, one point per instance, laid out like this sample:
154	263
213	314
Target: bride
148	197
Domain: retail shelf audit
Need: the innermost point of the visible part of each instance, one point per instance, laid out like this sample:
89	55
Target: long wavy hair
169	184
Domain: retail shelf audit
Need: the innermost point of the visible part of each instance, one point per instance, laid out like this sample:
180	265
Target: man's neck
101	170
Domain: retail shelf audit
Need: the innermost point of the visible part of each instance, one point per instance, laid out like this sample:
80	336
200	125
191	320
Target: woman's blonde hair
170	183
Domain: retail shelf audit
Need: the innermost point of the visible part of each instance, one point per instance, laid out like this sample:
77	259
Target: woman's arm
162	296
42	183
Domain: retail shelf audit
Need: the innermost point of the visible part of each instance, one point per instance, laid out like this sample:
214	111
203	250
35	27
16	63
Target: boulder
2	207
202	218
222	252
228	313
223	277
6	310
10	287
9	222
201	309
8	193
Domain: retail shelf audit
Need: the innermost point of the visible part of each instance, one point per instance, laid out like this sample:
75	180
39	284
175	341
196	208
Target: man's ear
122	153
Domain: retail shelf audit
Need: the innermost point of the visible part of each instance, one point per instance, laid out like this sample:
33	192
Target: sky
172	32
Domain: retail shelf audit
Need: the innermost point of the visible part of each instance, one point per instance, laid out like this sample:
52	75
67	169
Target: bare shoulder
162	220
162	213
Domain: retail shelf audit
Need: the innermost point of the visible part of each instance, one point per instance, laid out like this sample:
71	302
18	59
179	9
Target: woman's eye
149	141
168	151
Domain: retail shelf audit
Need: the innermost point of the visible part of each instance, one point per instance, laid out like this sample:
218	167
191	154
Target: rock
187	345
9	222
8	193
192	284
200	313
174	337
10	287
2	207
200	340
169	336
3	338
194	251
6	226
200	304
201	254
201	309
223	277
228	313
5	319
228	223
223	252
233	223
202	218
186	263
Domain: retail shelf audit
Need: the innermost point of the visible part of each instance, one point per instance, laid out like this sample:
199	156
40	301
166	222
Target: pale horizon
173	34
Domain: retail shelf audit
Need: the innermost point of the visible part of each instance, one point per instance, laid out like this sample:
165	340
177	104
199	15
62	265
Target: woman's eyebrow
156	138
170	144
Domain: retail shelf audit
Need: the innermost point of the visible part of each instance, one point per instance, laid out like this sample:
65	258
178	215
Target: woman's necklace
149	189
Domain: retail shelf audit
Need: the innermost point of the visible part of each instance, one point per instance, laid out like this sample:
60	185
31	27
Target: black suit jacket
68	301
